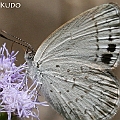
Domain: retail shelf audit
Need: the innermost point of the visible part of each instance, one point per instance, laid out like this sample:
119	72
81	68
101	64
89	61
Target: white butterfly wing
93	36
72	65
79	91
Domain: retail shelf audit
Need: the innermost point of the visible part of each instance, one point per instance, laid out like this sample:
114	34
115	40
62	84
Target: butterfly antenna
24	43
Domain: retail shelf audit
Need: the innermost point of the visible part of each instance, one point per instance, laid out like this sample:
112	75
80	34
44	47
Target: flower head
15	95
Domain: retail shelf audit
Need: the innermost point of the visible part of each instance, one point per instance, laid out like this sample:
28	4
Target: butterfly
74	65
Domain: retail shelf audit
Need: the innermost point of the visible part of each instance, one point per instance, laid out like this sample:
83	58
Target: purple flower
15	95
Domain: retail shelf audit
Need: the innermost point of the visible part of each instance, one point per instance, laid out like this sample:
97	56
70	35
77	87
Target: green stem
4	116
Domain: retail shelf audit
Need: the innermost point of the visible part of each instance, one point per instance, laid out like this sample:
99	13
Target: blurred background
35	20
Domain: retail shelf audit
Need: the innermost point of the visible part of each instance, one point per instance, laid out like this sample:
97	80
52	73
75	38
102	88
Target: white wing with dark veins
74	63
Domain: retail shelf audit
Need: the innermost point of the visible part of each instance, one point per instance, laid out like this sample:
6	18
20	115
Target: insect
74	65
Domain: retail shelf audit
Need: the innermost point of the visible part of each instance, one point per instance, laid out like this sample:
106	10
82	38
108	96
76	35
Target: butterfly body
74	62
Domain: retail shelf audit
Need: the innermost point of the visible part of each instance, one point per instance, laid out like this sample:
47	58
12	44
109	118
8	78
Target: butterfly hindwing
79	91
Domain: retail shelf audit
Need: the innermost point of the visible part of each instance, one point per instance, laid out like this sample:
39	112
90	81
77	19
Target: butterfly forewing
92	37
73	65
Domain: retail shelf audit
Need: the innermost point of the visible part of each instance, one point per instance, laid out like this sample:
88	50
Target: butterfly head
29	56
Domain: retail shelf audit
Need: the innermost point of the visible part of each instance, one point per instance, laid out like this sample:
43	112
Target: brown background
35	20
